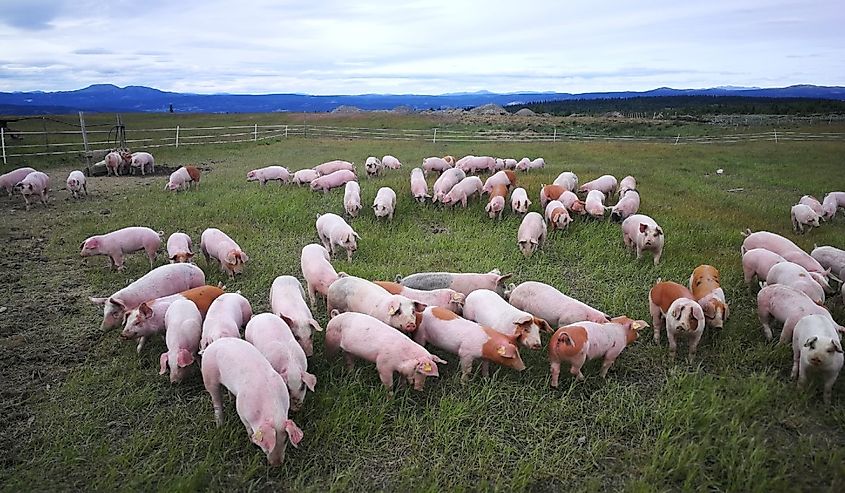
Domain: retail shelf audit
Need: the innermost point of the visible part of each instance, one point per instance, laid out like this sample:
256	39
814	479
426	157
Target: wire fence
95	141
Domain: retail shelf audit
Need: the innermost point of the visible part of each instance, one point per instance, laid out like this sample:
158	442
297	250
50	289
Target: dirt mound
525	112
488	109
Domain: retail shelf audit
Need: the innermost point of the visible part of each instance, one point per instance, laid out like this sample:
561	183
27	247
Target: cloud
30	14
92	51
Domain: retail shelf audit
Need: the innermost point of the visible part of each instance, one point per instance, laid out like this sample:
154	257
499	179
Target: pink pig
445	297
419	188
333	230
531	234
495	207
605	184
332	166
391	162
287	300
788	305
179	180
362	336
757	262
179	248
76	183
816	349
467	339
352	198
584	341
435	164
567	180
126	240
384	205
466	188
832	202
144	161
489	309
506	178
461	282
227	314
546	302
627	206
35	183
447	180
12	178
353	294
333	180
519	201
114	161
261	396
304	176
572	203
794	275
270	173
594	205
217	244
272	336
183	329
813	203
161	281
627	184
641	233
803	215
317	270
474	164
783	247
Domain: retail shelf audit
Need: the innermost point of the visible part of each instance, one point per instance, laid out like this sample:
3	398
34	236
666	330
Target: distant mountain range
107	97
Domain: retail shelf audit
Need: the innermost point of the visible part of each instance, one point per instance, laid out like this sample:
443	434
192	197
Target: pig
474	164
161	281
437	164
519	201
802	215
466	188
261	396
496	205
352	198
788	305
384	204
461	282
317	270
641	233
125	166
144	161
469	340
594	205
506	178
179	180
275	340
605	184
183	329
628	205
585	340
76	184
126	240
510	164
674	306
419	188
568	180
179	248
447	180
269	173
831	258
373	166
572	203
707	291
305	176
500	165
218	245
549	193
538	163
812	203
816	349
783	247
450	160
522	165
489	309
287	300
532	234
113	161
557	215
333	180
546	302
332	166
445	297
362	336
195	175
226	316
629	183
832	202
12	178
333	230
757	262
353	294
148	318
35	183
391	162
797	277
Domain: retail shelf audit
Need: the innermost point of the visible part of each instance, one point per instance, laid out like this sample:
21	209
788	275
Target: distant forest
671	106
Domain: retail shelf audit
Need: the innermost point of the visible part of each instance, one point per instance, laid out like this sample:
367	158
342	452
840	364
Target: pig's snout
410	327
815	361
295	404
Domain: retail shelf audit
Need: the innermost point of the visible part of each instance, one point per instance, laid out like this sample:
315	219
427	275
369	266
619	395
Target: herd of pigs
475	316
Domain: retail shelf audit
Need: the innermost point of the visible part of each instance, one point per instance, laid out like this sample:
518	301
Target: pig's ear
677	312
286	319
118	304
163	362
506	351
393	308
334	313
543	325
244	257
314	325
659	231
419	307
639	324
835	346
189	255
437	359
643	227
503	278
309	380
98	301
145	310
265	437
356	235
294	433
457	298
425	367
173	258
184	358
811	342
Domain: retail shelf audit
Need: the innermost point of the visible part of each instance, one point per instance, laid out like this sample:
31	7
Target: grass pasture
83	411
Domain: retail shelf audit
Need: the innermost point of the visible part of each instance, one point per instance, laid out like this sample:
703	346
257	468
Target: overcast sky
429	46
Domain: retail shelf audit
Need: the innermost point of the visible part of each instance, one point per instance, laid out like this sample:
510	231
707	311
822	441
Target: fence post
85	143
3	141
677	139
177	136
286	131
46	139
255	134
554	137
776	136
434	140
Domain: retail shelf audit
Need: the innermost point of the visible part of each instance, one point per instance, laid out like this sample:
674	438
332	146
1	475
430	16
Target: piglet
496	204
76	184
353	294
627	206
519	201
179	180
546	302
113	161
627	184
218	245
143	161
373	166
179	248
757	262
816	349
352	198
584	341
384	204
445	298
557	215
274	338
462	282
329	181
35	183
802	215
594	205
183	330
832	202
126	240
489	309
787	305
287	300
391	162
549	193
572	203
227	314
605	184
447	180
362	336
12	178
333	230
831	258
269	173
461	192
419	188
782	246
304	176
317	270
674	306
506	178
707	291
261	396
436	164
467	339
568	180
330	167
531	234
641	233
812	203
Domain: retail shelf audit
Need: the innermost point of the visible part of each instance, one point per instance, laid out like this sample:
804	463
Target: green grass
730	422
